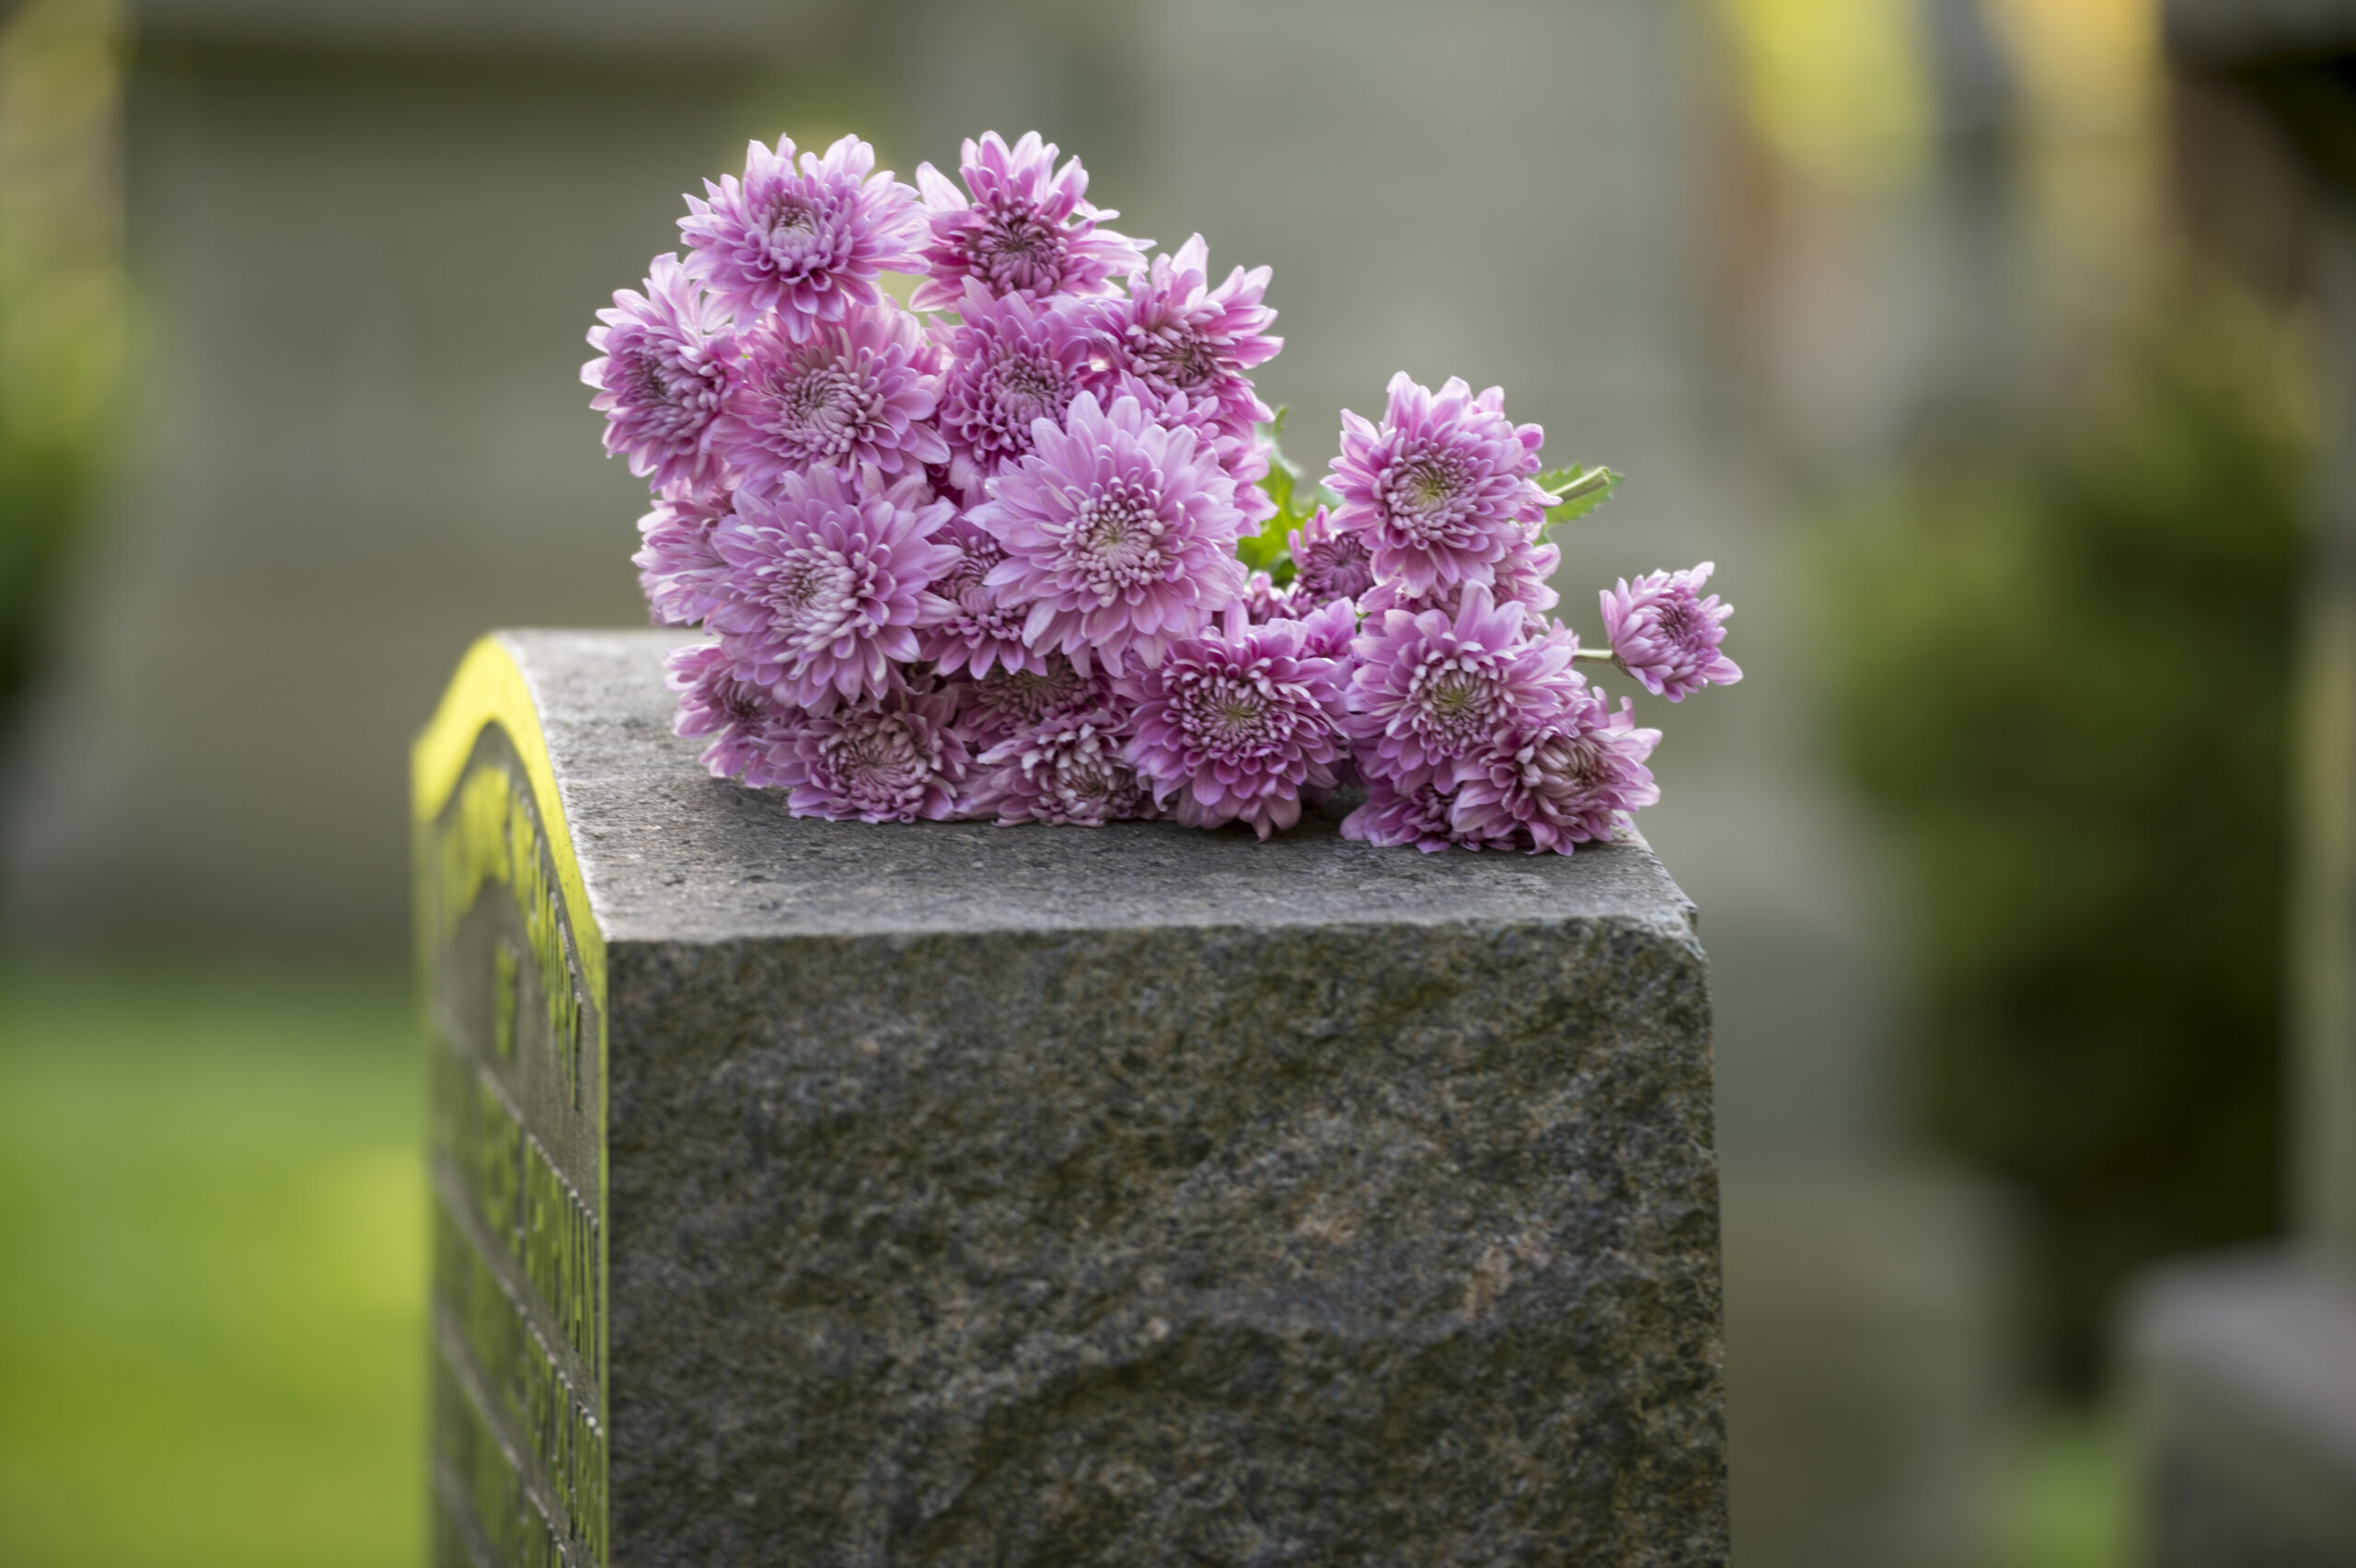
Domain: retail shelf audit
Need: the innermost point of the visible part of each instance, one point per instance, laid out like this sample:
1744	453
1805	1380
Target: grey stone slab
1043	1196
2243	1375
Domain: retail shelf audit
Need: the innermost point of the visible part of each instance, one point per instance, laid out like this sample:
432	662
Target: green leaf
1578	489
1269	550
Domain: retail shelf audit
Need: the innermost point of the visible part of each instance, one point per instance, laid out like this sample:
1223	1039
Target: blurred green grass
212	1217
2065	1498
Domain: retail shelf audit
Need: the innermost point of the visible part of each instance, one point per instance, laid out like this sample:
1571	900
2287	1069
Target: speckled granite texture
1140	1196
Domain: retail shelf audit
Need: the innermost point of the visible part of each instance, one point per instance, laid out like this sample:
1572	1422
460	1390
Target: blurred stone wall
367	250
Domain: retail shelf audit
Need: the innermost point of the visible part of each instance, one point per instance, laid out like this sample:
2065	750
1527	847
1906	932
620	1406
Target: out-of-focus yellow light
1837	87
2088	78
62	297
2089	65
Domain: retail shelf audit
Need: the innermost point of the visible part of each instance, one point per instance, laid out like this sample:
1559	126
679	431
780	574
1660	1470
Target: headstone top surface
669	853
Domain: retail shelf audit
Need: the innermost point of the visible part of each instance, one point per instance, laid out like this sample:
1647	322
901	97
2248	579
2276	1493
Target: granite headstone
828	1194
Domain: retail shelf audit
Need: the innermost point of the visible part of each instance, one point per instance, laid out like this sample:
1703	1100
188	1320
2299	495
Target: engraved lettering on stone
524	1202
471	1462
522	1374
520	1447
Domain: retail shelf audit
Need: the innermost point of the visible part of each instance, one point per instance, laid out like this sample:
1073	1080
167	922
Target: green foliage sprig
1578	489
1287	485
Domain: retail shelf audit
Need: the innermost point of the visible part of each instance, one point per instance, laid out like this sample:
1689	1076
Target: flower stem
1587	484
1595	656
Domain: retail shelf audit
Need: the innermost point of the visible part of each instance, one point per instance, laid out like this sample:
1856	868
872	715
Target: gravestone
830	1193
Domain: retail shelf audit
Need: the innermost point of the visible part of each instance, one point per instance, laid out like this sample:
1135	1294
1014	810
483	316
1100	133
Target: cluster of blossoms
1024	550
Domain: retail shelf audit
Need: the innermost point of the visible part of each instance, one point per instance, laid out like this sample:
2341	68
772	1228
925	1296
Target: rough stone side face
1382	1244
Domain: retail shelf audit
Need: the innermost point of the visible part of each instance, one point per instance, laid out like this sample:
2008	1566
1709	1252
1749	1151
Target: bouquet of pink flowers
1026	549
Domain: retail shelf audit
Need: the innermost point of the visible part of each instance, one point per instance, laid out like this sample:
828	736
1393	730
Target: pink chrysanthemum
1176	334
1431	689
1444	489
1006	699
1555	782
1523	578
737	714
977	632
1396	815
1329	631
666	359
1027	228
1329	563
858	390
1244	454
1526	576
678	565
1011	364
807	245
827	583
1666	635
1119	535
1234	724
1067	768
1264	602
899	757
